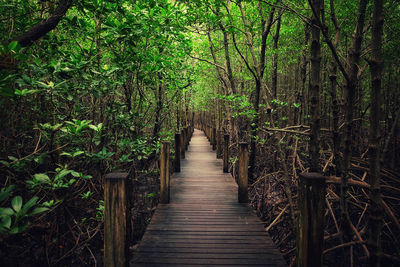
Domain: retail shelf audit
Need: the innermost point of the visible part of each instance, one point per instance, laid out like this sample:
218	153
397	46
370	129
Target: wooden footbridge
203	225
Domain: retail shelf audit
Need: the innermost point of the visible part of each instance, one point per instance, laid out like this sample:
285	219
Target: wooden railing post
310	232
164	173
214	138
186	129
219	144
226	153
182	144
177	159
115	219
243	173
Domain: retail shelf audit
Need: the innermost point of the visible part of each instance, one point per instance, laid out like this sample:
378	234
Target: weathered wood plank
211	246
260	256
230	262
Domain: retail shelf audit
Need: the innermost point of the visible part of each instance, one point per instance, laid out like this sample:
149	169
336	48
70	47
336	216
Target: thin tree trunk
159	106
275	60
303	74
335	105
314	88
350	89
376	63
228	60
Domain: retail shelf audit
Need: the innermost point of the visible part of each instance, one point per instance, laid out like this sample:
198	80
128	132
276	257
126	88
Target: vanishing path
204	225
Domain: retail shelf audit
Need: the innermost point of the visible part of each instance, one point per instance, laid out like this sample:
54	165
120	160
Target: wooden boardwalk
204	225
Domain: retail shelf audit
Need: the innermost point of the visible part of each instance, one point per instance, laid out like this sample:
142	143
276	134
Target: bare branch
209	62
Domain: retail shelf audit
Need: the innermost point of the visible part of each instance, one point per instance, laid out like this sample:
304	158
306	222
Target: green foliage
100	211
62	178
14	219
137	149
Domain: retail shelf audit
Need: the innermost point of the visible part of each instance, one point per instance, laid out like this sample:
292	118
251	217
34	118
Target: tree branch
241	55
43	27
209	62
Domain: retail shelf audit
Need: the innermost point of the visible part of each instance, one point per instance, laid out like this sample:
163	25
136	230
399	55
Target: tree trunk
157	123
314	88
376	63
275	60
303	74
350	88
335	104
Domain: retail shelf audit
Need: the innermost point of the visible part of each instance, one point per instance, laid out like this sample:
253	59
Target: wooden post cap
116	175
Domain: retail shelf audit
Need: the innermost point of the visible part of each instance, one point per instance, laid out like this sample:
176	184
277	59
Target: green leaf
93	127
87	177
75	174
12	158
6	212
151	195
16	203
41	177
31	202
38	210
77	153
5	193
43	85
12	45
5	163
6	222
19	229
63	173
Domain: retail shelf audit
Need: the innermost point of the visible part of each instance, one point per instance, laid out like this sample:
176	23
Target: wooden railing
116	200
311	191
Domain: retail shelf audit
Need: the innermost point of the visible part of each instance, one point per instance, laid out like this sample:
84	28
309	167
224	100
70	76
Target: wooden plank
206	238
203	250
206	233
261	256
207	261
214	245
205	241
204	225
193	222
